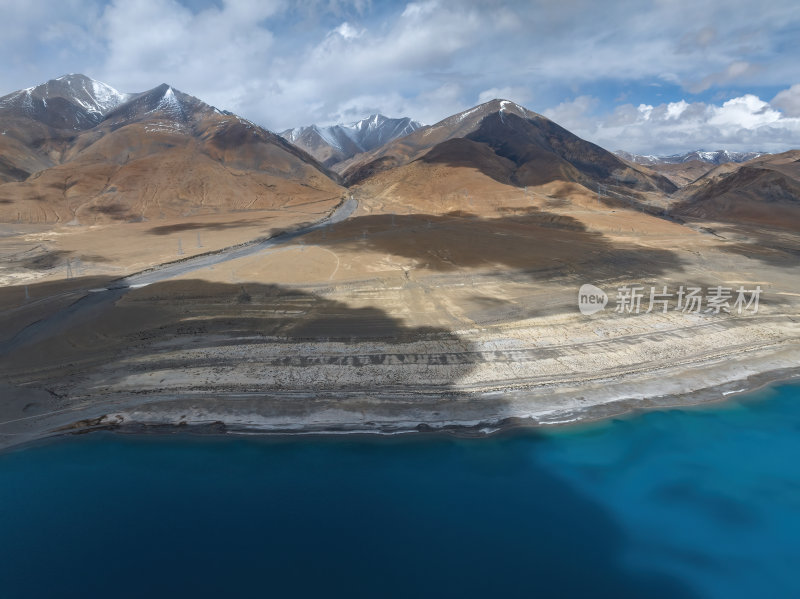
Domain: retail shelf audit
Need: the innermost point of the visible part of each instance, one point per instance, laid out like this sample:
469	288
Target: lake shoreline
163	422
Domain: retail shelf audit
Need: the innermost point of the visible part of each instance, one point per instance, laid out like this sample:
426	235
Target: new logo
591	299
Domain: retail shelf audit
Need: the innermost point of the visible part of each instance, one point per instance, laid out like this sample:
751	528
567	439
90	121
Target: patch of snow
294	134
352	132
506	103
360	136
106	97
466	113
246	123
164	127
326	133
169	104
168	100
27	102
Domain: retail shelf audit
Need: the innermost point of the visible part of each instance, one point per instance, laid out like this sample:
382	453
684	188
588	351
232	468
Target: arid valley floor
433	288
458	313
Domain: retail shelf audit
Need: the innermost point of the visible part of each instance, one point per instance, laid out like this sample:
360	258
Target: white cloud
419	9
734	71
788	101
676	109
283	63
743	123
40	40
209	54
347	31
646	110
517	94
406	62
746	112
576	112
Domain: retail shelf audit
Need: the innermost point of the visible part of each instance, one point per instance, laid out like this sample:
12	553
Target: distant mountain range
717	157
764	191
336	143
74	150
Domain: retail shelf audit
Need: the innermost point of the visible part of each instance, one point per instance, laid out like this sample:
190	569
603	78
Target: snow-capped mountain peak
336	143
371	122
163	101
106	97
715	157
168	101
71	101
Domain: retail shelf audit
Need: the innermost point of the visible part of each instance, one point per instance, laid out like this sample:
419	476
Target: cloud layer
284	63
744	123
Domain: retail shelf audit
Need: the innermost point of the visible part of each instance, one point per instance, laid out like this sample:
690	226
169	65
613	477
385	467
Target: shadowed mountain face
75	150
682	173
334	144
764	192
37	124
542	151
512	145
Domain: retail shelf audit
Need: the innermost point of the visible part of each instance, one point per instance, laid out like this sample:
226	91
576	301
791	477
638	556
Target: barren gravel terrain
421	311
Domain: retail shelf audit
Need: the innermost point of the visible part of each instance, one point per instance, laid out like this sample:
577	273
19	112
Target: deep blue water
673	504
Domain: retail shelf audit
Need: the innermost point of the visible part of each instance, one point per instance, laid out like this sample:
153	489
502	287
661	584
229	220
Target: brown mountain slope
410	147
38	124
764	192
157	154
28	146
683	173
512	145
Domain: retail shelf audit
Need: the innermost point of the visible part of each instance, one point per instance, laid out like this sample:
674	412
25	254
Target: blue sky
649	77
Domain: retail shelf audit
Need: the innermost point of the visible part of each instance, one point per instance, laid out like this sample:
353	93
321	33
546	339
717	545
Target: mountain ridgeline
74	150
764	191
715	158
510	144
77	151
334	144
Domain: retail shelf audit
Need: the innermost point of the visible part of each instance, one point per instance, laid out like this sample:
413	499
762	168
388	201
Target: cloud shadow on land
539	243
214	338
267	310
115	211
40	259
199	226
781	255
771	246
206	314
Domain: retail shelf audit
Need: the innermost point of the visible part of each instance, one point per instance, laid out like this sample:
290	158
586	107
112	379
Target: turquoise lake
680	503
